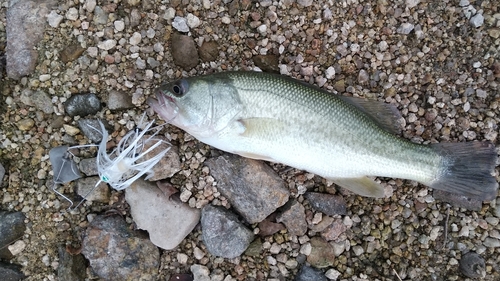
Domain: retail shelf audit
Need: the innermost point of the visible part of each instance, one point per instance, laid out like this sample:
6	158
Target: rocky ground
437	61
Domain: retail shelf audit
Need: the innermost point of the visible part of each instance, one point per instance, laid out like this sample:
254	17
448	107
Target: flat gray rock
223	234
252	187
26	23
167	219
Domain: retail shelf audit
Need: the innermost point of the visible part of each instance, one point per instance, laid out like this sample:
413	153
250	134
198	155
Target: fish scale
345	139
359	142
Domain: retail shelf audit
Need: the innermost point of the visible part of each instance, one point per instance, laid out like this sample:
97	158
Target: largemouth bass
344	139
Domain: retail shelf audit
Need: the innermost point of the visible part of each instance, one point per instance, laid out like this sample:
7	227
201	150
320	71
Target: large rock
184	51
169	164
71	267
294	218
252	187
328	204
82	105
11	272
308	273
167	219
322	254
117	253
222	232
26	21
12	228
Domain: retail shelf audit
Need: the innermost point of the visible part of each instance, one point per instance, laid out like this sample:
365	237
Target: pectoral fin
260	127
363	186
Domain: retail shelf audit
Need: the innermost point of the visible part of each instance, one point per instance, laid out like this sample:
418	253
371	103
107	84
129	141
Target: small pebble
180	24
477	20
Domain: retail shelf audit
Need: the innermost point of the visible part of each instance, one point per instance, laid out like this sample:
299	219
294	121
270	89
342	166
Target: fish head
199	106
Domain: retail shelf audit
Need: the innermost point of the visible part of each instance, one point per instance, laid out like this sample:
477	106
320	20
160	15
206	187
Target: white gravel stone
54	19
333	274
107	44
330	72
481	93
405	28
491	242
412	3
44	77
92	51
382	46
305	3
158	47
338	248
358	250
200	272
135	38
206	4
262	28
477	20
180	24
16	248
193	21
119	25
169	14
198	253
150	33
464	3
90	5
182	258
306	249
72	14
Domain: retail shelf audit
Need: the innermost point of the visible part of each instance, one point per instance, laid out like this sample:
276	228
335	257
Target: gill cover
203	106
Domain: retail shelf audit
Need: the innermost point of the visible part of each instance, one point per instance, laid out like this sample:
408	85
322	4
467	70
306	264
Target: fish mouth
164	106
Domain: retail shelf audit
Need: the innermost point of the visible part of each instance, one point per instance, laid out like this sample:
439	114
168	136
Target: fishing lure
126	163
120	168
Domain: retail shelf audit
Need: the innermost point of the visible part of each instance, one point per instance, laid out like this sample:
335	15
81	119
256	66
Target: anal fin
255	156
363	186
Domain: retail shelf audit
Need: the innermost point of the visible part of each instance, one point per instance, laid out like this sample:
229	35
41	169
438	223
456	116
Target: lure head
198	105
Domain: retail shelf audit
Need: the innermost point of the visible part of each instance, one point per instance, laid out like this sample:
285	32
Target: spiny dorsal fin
384	114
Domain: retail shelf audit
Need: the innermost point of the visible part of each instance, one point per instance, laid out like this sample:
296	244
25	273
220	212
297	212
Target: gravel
437	61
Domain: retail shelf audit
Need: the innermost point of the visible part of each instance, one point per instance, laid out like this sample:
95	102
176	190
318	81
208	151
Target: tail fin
467	169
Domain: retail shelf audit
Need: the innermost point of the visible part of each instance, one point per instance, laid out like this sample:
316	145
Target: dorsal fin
384	114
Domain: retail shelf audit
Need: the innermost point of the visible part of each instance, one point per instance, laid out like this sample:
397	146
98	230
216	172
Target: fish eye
179	88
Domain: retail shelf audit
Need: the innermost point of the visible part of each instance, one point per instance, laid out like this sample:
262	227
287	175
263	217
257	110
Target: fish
346	140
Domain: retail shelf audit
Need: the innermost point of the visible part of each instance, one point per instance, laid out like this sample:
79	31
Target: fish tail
467	169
